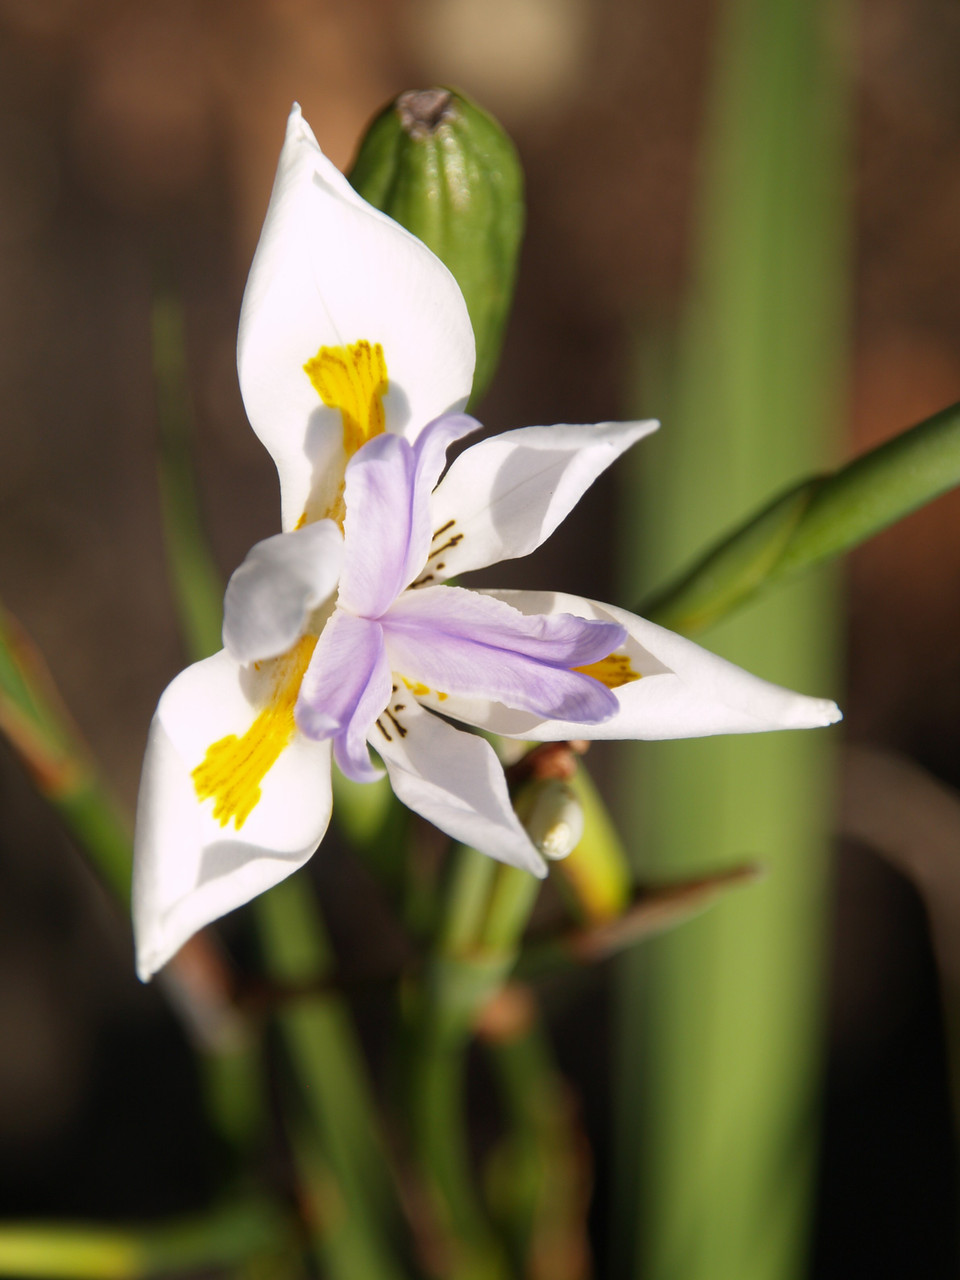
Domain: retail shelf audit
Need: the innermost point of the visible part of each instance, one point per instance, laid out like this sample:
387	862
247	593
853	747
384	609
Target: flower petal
387	524
282	580
433	442
454	780
346	687
330	270
188	868
463	642
504	496
379	498
684	691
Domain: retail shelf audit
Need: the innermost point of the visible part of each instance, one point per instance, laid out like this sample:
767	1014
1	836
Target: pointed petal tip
298	127
812	713
153	952
148	967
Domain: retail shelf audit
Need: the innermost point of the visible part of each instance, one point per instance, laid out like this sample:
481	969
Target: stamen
233	768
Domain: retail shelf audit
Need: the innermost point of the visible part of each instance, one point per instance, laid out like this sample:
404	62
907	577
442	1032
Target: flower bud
552	816
446	171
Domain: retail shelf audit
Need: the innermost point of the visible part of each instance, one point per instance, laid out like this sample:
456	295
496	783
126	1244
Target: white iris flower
356	359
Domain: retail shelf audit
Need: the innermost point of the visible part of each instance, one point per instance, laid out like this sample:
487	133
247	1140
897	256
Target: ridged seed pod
446	171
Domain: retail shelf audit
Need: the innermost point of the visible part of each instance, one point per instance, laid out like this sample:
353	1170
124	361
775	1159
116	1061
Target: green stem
359	1239
467	899
37	725
822	517
512	897
96	822
196	581
487	908
437	1122
228	1237
538	1176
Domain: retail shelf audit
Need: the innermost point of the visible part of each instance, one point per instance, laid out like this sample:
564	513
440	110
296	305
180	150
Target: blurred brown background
142	136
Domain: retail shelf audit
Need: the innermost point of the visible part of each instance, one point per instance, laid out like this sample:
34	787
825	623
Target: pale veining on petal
234	767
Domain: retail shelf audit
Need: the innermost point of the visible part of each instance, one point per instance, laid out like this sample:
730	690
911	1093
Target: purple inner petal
457	641
379	497
430	453
433	442
346	686
387	529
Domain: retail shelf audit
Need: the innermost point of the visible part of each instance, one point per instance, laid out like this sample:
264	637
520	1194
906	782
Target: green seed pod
447	172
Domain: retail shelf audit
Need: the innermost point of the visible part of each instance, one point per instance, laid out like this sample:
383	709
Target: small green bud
552	816
446	171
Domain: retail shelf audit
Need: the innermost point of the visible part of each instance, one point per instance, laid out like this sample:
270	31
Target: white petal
332	270
454	780
504	496
684	691
282	580
188	869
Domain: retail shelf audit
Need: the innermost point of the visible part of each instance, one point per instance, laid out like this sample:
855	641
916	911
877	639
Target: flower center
233	768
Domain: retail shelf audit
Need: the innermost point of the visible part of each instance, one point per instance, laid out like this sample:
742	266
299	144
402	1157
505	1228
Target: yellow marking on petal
233	768
421	690
354	380
416	688
614	670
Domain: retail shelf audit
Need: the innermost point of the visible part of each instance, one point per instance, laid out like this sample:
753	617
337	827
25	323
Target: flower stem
822	517
538	1176
472	1251
237	1234
38	727
196	581
486	910
342	1145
